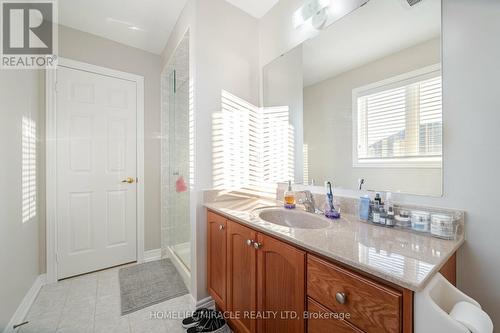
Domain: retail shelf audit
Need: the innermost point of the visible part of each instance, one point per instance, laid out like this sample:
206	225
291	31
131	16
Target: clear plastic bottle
376	213
389	206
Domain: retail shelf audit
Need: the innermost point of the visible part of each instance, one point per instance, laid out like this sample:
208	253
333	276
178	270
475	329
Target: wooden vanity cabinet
241	276
322	320
216	258
251	272
262	276
372	306
280	285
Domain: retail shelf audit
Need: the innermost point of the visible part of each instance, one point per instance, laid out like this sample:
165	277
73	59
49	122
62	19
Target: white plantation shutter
252	146
431	117
28	169
399	121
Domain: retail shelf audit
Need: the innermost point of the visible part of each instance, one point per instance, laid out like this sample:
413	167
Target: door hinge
57	257
56	86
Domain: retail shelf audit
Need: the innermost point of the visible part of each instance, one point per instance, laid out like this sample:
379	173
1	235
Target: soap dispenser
289	197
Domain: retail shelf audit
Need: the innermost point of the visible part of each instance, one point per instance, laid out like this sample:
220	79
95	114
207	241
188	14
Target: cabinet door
280	285
216	258
241	276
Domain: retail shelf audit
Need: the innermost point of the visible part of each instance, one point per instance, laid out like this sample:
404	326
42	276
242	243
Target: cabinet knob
341	298
250	242
257	245
221	227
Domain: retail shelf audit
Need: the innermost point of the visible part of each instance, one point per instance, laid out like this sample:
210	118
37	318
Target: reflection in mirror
365	99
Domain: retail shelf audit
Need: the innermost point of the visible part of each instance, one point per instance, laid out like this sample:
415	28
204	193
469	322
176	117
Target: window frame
387	84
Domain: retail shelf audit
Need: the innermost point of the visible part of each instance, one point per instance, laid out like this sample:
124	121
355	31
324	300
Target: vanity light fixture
313	11
319	14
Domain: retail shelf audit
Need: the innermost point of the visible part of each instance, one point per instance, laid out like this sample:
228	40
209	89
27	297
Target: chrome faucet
361	182
308	202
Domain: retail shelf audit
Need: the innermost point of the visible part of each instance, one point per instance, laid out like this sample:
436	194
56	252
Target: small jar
420	221
443	226
403	219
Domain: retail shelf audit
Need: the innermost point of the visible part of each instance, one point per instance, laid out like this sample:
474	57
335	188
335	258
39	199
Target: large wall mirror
365	99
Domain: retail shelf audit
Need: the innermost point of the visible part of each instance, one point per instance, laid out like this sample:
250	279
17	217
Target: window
28	169
253	147
399	121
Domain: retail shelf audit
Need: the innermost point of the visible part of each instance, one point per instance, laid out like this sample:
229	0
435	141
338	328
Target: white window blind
28	169
252	146
399	121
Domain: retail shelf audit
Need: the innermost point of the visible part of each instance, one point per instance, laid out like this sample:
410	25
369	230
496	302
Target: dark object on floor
212	322
195	319
148	284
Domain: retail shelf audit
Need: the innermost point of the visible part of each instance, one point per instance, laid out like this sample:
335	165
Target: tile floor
91	304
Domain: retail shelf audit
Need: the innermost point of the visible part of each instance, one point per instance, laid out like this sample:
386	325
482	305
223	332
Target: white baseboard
152	255
26	303
206	302
181	268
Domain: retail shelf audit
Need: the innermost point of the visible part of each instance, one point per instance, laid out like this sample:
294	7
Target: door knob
250	242
257	245
129	180
221	227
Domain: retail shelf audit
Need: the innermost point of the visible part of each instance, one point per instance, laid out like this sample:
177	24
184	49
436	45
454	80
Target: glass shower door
179	168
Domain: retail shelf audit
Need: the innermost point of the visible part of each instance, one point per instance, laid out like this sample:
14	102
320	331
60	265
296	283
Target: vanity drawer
316	324
372	306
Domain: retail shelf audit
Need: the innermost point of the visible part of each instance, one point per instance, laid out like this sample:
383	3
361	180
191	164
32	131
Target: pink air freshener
180	185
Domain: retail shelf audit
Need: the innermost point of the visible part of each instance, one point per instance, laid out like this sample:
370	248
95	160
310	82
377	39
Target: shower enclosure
175	160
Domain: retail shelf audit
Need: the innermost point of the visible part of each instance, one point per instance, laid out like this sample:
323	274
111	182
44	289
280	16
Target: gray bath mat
150	283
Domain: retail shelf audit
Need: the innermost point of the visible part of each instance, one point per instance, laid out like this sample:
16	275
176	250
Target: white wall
328	126
471	122
223	55
226	58
20	92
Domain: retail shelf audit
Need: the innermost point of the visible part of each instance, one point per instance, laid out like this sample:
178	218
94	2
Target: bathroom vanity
267	276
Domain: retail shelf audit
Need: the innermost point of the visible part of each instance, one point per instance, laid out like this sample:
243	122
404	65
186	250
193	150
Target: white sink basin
294	219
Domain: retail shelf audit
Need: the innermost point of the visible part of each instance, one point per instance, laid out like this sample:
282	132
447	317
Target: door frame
51	156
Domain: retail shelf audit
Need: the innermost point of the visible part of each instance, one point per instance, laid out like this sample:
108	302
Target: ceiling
144	24
378	29
256	8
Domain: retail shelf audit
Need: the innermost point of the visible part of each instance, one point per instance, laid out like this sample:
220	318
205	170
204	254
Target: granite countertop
404	258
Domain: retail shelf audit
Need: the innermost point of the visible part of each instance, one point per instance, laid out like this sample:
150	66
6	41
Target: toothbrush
331	212
329	195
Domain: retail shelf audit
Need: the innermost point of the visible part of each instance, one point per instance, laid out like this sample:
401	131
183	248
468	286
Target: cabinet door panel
241	276
280	285
322	320
216	258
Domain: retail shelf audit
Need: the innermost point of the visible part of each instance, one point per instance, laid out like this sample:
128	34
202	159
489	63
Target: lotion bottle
289	197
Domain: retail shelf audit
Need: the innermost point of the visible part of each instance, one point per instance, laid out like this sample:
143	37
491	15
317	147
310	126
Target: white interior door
96	151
